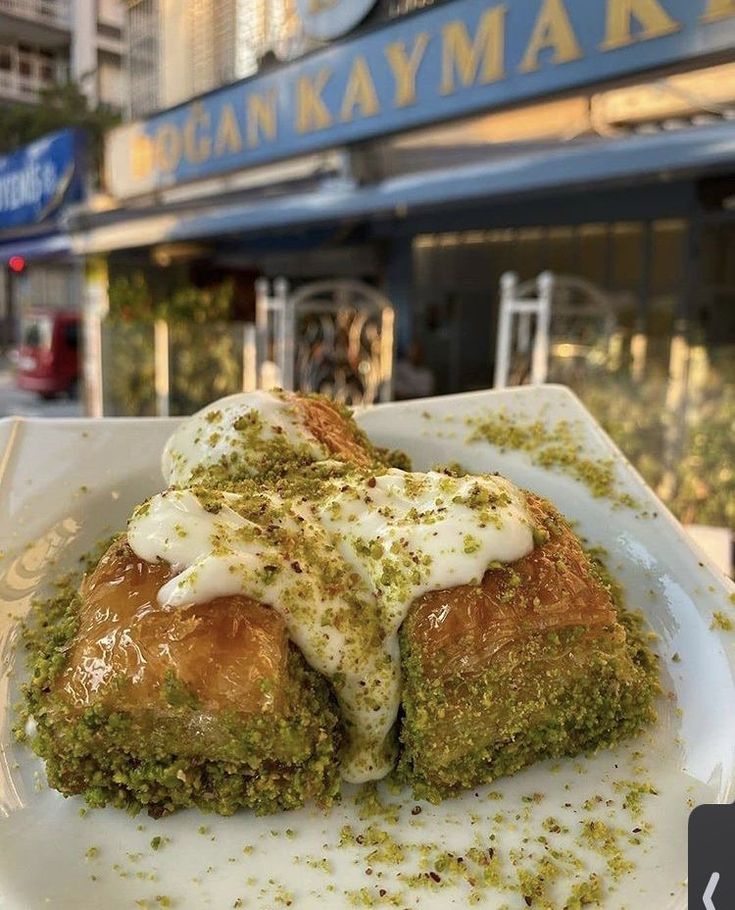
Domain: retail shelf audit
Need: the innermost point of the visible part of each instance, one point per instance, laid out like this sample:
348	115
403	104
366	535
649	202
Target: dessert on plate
298	608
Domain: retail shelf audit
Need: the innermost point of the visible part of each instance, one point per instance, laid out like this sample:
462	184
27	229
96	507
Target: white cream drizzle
411	533
389	538
209	437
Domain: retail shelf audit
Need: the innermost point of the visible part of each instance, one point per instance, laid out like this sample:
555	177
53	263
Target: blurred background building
44	43
425	150
59	59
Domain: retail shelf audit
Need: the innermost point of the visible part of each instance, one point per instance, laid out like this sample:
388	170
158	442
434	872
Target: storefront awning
35	247
590	162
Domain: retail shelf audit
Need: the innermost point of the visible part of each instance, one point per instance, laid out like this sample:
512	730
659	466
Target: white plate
66	483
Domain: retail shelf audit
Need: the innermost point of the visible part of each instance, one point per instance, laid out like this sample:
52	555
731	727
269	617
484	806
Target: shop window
668	252
714	316
527	255
627	255
561	255
626	270
592	246
668	255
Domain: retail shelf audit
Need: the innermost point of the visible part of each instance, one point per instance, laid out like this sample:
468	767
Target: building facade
49	42
570	136
429	148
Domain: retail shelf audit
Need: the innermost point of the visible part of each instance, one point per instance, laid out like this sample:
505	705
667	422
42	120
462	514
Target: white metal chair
334	337
515	302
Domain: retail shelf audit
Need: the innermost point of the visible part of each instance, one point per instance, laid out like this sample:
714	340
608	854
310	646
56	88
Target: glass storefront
659	375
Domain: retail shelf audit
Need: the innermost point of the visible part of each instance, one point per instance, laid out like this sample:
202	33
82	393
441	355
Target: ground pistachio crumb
552	446
584	894
370	804
721	621
633	794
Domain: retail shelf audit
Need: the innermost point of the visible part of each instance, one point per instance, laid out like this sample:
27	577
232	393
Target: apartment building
182	48
48	42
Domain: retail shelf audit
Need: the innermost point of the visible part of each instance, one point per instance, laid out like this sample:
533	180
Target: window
627	255
109	31
71	335
561	254
37	333
592	248
143	62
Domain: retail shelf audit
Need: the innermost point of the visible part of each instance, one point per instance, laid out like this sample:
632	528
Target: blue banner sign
38	179
453	59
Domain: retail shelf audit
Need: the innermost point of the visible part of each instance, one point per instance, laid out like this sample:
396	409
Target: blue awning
35	247
591	162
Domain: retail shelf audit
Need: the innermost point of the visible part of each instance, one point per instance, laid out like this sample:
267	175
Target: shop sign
36	180
330	19
453	59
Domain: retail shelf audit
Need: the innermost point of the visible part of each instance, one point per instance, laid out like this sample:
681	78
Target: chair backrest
334	337
532	312
552	311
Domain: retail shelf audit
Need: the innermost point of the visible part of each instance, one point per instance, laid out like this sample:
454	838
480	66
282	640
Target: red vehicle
48	357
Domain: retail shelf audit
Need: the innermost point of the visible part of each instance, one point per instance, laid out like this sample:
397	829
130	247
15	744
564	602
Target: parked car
48	359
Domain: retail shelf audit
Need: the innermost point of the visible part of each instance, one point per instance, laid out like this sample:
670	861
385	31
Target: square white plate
64	484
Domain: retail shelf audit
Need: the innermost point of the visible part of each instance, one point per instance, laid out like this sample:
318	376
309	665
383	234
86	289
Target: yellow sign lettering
228	139
652	18
485	55
197	145
359	92
311	111
405	67
719	9
141	156
262	117
168	147
553	30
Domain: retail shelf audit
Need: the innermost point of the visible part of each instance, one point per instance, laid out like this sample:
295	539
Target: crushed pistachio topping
557	446
721	621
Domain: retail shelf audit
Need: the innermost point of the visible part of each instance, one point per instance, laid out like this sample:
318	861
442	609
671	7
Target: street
14	401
